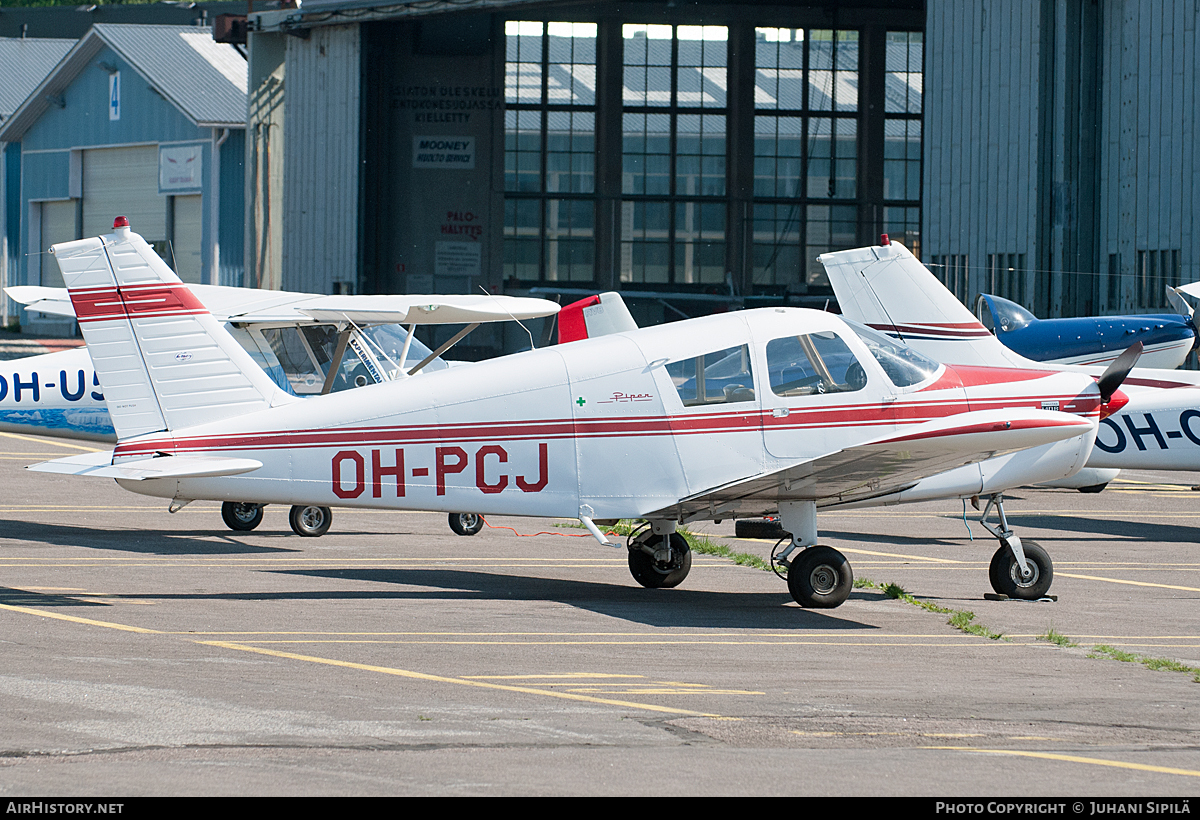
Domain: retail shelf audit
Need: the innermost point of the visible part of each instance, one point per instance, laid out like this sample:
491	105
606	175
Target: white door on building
123	182
185	239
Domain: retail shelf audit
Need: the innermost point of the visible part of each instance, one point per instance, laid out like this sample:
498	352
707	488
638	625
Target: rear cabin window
811	364
721	377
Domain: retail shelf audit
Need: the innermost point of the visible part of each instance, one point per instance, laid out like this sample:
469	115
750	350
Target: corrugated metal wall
1011	160
1150	191
981	125
320	167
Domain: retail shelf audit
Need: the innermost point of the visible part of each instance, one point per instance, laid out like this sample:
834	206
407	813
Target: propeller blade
1116	372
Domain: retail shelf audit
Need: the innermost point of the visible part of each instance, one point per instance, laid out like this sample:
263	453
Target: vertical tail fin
888	288
594	316
162	359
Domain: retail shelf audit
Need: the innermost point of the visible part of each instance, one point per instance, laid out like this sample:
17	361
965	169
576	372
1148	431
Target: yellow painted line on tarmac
651	642
370	668
52	442
404	673
75	619
1129	583
1095	761
526	634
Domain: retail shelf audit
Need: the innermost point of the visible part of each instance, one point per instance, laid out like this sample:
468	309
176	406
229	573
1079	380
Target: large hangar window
550	151
904	95
806	112
723	167
673	168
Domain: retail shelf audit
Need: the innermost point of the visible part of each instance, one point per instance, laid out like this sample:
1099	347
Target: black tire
758	528
241	516
1005	573
1095	488
466	523
820	578
653	575
309	520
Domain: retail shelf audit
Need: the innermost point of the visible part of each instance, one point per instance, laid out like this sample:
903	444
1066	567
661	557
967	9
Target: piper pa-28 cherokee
308	344
888	289
762	411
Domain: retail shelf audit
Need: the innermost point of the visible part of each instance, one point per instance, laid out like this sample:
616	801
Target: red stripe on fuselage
835	416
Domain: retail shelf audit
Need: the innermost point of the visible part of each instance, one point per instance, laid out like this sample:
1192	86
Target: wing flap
887	465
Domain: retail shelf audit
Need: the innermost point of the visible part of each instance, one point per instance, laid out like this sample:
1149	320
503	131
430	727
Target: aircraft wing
426	310
251	306
52	301
887	465
99	465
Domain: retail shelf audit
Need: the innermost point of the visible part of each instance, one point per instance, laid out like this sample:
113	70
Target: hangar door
124	182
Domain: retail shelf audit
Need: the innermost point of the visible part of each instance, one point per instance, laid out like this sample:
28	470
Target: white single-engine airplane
749	413
888	289
308	344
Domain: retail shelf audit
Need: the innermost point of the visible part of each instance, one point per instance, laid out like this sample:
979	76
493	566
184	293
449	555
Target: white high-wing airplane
888	289
749	413
308	344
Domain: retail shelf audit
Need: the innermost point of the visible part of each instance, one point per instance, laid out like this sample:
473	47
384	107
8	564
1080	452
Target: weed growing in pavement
961	619
1157	664
1057	638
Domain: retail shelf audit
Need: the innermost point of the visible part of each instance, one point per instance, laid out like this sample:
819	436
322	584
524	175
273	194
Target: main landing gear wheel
466	523
653	573
820	578
241	516
310	521
1005	573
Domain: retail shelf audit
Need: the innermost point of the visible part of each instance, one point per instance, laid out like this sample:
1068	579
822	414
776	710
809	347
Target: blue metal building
142	121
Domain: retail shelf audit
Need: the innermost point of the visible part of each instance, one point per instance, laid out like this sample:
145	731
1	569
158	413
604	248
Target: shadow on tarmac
145	542
679	607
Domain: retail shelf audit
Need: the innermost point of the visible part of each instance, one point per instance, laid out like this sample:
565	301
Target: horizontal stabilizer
99	465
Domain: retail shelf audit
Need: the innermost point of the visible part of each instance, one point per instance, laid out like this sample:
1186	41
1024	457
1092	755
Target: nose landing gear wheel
654	574
310	521
466	523
241	516
1005	573
820	578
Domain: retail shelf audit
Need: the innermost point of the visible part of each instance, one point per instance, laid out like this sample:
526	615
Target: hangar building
1062	163
144	121
695	156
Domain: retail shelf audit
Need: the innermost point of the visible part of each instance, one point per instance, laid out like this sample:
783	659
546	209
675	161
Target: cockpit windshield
297	357
1001	314
903	365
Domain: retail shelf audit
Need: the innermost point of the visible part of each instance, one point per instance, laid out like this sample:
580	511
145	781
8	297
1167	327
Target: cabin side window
720	377
813	363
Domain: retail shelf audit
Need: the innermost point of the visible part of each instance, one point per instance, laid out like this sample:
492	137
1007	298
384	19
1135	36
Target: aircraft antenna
532	346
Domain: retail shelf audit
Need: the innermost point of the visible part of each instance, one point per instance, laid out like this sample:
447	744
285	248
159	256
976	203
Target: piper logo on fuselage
388	470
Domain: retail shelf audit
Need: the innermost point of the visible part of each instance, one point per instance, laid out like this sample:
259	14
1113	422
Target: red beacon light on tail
883	240
120	222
